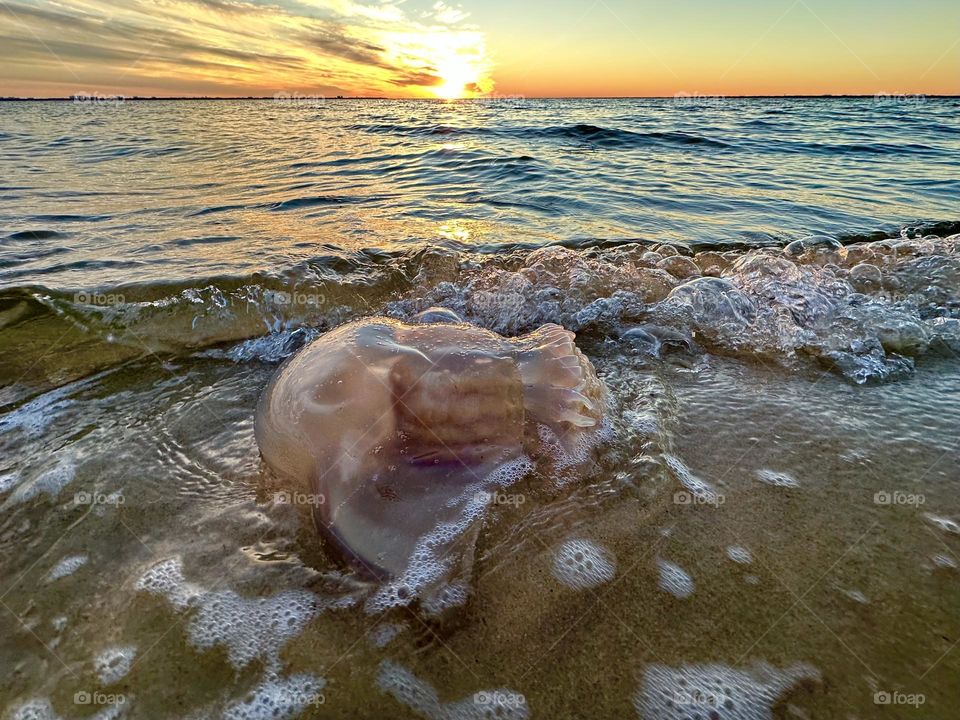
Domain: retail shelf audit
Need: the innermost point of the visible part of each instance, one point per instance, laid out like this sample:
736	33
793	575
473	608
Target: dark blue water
109	194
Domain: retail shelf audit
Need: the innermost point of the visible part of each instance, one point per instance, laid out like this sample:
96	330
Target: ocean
769	289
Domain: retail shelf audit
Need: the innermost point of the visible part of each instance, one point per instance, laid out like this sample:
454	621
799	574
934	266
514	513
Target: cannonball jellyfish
399	426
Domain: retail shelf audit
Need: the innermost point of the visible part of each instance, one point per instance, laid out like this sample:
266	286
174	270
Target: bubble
114	663
713	304
427	575
67	566
36	709
674	579
717	692
814	246
739	555
777	479
249	628
581	564
680	267
866	277
166	579
817	298
41	709
282	698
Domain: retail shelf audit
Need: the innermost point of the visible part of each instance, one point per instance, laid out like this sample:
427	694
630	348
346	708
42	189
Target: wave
590	134
869	310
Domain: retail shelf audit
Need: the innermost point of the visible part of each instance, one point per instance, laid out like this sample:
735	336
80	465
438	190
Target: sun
453	64
457	73
463	69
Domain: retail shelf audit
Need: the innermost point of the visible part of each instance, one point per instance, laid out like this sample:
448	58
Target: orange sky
419	48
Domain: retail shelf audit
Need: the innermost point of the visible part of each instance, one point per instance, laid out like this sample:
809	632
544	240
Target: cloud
244	47
448	15
334	40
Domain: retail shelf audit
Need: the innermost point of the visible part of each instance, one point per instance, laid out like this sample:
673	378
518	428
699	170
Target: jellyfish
396	426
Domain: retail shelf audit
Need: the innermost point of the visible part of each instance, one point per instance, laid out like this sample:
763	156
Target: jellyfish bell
401	428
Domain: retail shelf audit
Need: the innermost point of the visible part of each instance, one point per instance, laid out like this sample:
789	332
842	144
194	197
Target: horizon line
295	98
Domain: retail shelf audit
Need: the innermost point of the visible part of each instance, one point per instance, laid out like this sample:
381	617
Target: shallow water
772	520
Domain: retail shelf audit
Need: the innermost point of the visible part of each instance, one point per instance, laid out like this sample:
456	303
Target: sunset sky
429	48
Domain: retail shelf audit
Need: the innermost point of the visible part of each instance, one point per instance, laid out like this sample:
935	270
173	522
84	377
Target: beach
768	288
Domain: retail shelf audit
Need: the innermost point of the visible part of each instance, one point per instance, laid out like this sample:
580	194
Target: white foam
49	482
643	423
432	560
739	555
777	479
35	709
8	482
717	692
67	566
41	709
249	628
422	699
582	564
383	635
281	698
113	664
700	489
674	579
35	416
166	579
767	304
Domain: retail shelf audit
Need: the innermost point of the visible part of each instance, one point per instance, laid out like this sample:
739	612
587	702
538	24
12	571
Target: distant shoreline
305	99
